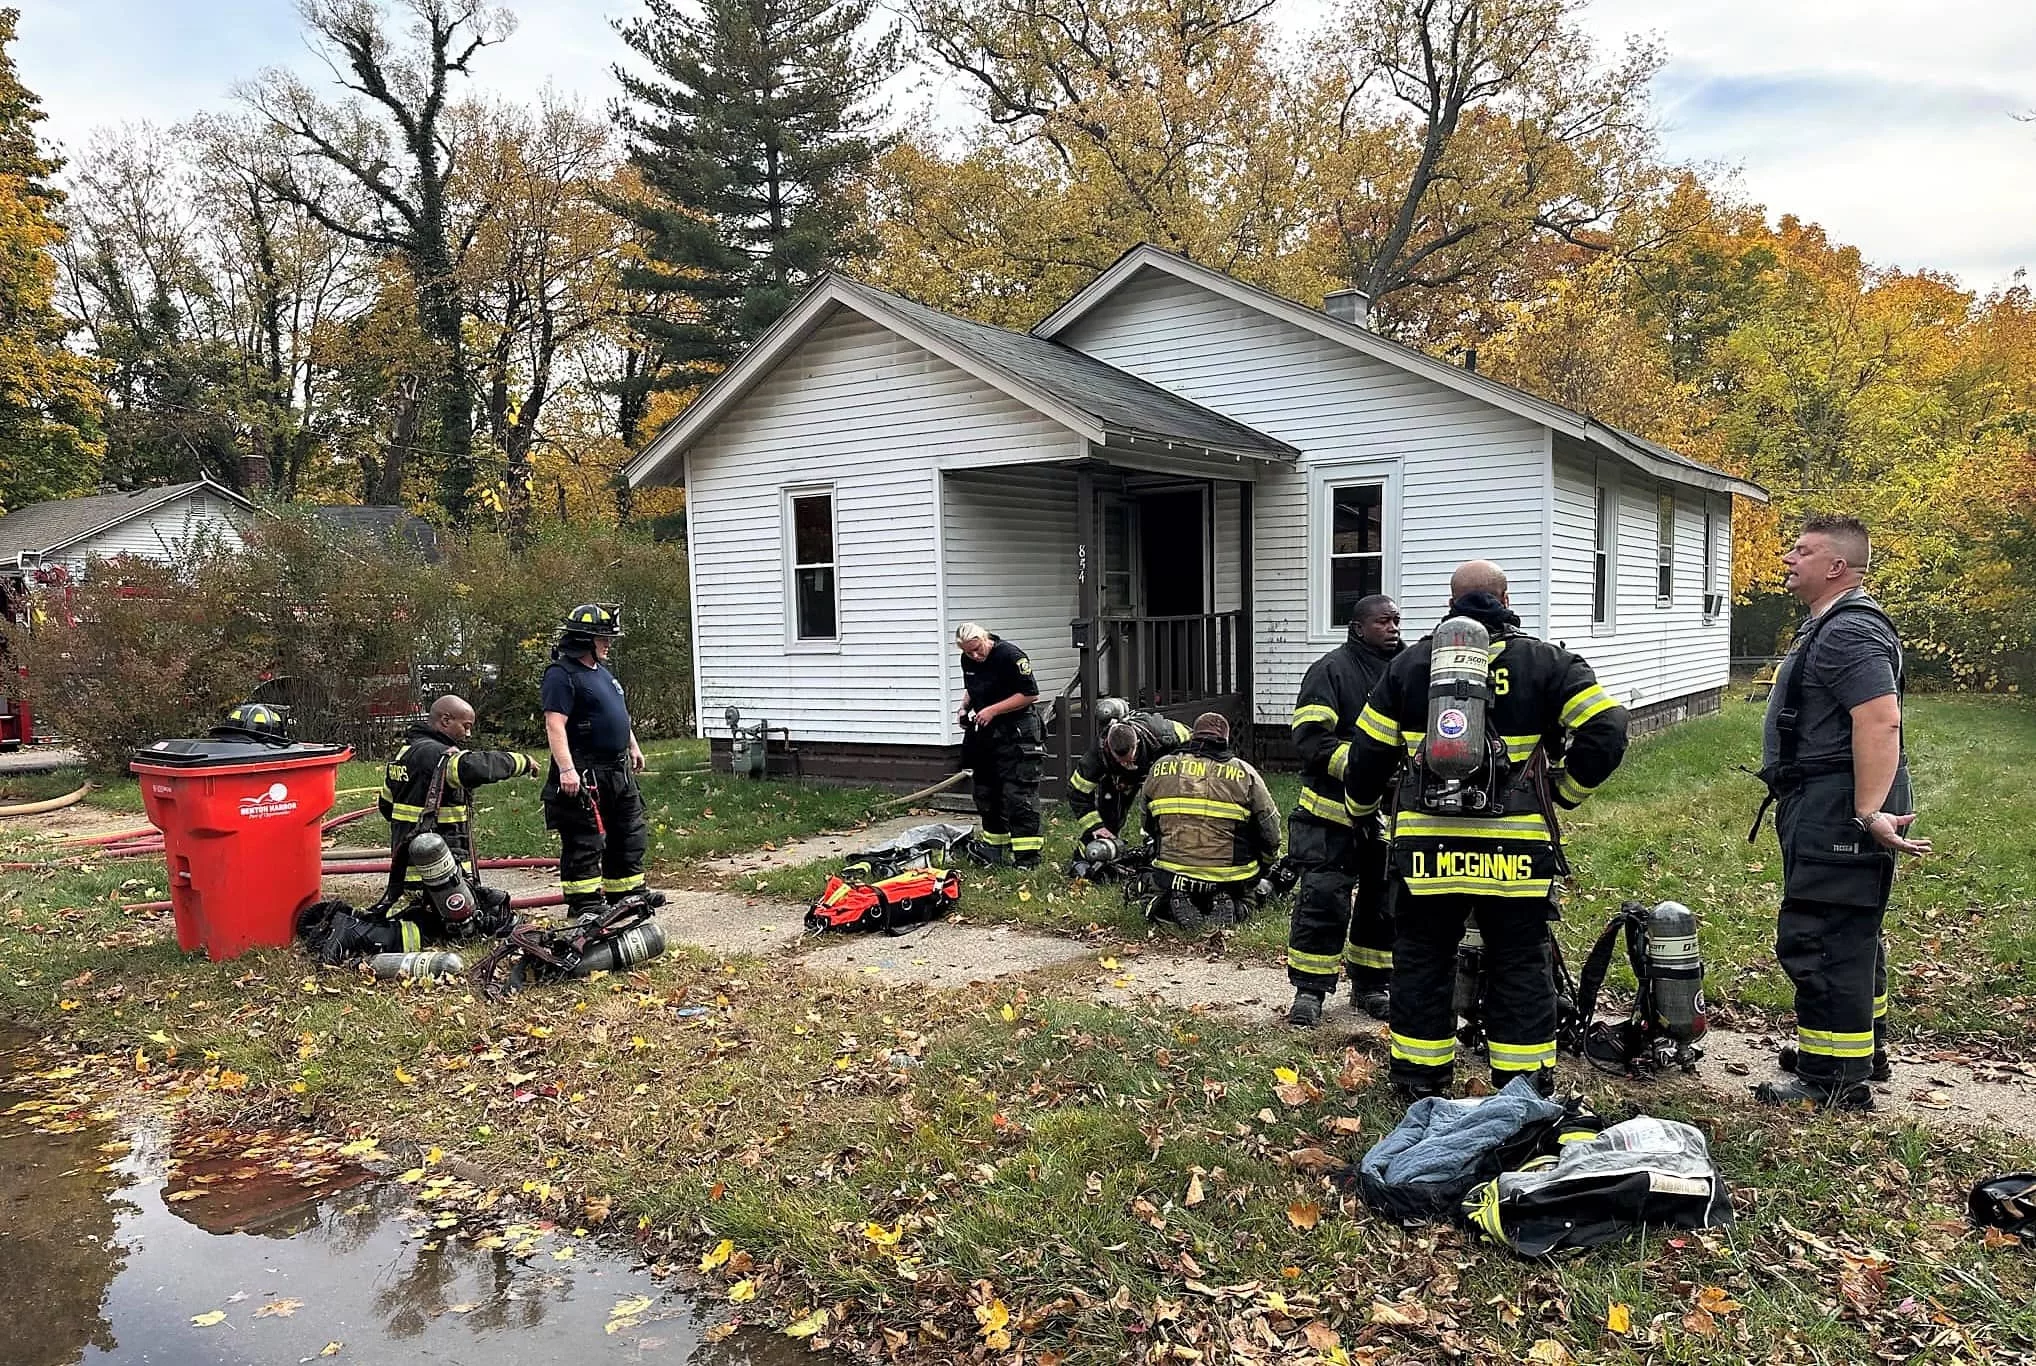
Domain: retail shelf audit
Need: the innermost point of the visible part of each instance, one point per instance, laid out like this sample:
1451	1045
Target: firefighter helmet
592	619
255	721
1112	709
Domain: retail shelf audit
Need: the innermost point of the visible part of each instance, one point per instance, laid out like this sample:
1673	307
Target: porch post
1247	638
1088	568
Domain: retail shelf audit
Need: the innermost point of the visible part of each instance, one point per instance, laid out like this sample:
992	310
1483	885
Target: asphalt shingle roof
380	523
1119	402
42	527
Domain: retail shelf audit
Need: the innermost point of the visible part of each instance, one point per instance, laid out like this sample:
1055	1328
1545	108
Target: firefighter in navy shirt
1003	743
590	794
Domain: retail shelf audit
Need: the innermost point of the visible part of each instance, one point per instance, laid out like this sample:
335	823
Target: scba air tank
637	945
1459	684
445	886
1676	970
416	967
1470	973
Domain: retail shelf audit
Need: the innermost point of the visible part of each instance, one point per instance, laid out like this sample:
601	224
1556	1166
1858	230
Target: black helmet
591	619
1111	709
255	721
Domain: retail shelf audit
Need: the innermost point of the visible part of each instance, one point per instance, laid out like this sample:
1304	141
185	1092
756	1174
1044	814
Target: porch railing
1170	661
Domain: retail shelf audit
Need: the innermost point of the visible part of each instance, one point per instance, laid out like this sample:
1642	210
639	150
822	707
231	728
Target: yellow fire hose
47	804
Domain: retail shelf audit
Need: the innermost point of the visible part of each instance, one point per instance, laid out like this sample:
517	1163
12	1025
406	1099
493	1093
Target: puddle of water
110	1251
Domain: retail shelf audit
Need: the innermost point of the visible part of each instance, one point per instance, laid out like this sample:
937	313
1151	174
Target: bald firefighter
1107	779
1481	848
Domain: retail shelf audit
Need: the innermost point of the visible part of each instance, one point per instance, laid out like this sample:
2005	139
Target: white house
1173	488
161	523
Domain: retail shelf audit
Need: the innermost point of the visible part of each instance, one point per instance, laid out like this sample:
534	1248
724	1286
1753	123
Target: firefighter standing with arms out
1832	758
427	789
1003	743
1107	779
1466	718
1216	827
590	794
1336	854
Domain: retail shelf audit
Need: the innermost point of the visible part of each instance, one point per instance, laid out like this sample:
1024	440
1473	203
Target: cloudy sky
1891	122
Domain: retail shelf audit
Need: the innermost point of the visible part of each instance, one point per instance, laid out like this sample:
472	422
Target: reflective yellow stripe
1198	806
413	935
1826	1043
1210	872
1080	783
1520	1057
1089	821
404	811
995	837
1427	1052
1182	733
1359	810
1323	808
1378	725
1528	825
1413	738
579	886
1482	1206
1588	702
622	884
1569	789
1880	1006
1320	964
1339	759
1471	886
1357	955
1520	748
1027	844
1314	711
1576	1136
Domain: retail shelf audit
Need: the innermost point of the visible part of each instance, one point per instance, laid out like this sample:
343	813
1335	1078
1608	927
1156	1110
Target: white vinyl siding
874	415
1472	476
1645	654
1010	563
168	534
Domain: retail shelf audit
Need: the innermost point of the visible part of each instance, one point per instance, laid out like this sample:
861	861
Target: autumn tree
1467	134
746	137
50	444
391	143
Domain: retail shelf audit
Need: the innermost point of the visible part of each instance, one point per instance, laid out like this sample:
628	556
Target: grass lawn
1672	824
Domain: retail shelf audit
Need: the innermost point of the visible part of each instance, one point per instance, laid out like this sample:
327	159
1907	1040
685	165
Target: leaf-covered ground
1014	1172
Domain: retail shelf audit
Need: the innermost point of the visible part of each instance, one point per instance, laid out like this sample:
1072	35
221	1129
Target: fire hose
46	805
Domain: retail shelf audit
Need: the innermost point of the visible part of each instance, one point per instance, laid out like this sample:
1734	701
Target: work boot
1222	912
1306	1011
1542	1078
983	853
1028	859
1883	1070
1182	910
1411	1091
1375	1001
1796	1091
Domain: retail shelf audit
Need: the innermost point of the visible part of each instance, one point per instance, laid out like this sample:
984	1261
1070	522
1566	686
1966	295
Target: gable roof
46	528
1649	456
1089	397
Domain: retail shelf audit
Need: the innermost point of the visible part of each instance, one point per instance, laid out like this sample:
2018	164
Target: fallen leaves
807	1326
743	1291
278	1309
1195	1194
1399	1313
1619	1318
1549	1352
1304	1214
991	1319
720	1253
209	1317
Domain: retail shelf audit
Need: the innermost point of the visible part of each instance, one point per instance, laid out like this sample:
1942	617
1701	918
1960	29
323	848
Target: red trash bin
240	822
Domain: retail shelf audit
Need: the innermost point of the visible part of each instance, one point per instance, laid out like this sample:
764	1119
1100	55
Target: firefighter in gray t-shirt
1832	759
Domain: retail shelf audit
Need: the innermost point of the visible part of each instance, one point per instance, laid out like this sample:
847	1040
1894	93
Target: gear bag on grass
1642	1173
898	884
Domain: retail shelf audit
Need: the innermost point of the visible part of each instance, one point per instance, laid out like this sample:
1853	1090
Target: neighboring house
156	524
1174	488
382	525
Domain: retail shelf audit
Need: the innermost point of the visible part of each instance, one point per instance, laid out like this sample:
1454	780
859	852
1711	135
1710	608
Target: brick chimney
254	474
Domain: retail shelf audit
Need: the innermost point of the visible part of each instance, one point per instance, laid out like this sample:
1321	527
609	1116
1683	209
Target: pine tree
748	139
49	406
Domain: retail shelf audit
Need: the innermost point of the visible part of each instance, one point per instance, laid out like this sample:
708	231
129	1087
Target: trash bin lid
215	752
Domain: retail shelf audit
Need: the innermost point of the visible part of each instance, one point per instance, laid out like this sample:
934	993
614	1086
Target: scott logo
1451	724
274	802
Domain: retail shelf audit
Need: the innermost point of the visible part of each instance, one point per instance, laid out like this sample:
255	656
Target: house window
1603	537
1664	548
1357	547
810	516
1711	603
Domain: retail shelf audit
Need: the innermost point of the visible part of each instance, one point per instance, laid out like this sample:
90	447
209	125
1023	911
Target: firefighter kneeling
1215	828
1467	719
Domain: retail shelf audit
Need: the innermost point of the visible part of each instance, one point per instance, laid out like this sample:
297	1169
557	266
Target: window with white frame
1357	546
1664	548
809	527
1604	537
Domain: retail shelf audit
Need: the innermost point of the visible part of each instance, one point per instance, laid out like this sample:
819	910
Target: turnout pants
1835	956
1519	1013
602	835
1005	758
1341	914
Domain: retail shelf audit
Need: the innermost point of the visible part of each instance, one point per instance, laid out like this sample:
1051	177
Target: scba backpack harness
895	886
